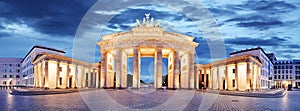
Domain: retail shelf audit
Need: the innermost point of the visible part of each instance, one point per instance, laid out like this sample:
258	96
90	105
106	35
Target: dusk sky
272	25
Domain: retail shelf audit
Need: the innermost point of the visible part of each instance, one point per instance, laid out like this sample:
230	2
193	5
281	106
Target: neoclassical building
148	39
58	71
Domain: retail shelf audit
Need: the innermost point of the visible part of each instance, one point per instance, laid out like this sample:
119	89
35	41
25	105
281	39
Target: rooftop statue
147	23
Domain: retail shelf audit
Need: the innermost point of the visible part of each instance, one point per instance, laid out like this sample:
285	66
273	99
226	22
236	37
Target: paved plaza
146	99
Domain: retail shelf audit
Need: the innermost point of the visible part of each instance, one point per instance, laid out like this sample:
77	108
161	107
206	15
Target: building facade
239	72
27	66
266	78
284	73
235	73
58	71
297	72
10	72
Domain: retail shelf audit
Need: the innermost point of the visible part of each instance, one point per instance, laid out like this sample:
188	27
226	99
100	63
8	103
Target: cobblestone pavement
145	100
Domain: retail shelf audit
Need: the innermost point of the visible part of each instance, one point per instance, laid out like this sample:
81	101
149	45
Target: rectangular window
275	76
17	76
4	82
291	71
60	81
282	76
275	72
11	76
233	83
24	75
233	70
287	76
279	77
4	76
10	65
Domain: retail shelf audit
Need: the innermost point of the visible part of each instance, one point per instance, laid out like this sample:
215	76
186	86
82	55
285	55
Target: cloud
48	17
273	41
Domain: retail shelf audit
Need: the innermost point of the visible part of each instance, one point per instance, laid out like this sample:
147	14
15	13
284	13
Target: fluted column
136	68
46	74
191	70
158	67
197	81
67	75
118	68
200	78
205	78
103	80
218	78
57	74
211	78
236	76
226	77
252	78
176	70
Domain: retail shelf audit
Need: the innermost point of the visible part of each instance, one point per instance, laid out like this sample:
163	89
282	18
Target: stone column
205	78
158	67
211	78
57	74
103	80
248	75
67	75
46	74
200	78
76	77
226	77
218	78
136	68
118	68
175	70
98	84
236	76
196	71
191	70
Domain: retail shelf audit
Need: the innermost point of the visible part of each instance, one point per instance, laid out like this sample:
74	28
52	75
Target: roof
42	47
247	57
258	48
43	55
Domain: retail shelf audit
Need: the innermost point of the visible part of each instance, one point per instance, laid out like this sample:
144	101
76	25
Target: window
291	67
24	75
17	76
279	77
287	76
10	65
60	81
282	76
4	76
282	71
287	67
4	82
11	76
11	70
275	72
279	72
275	76
233	83
286	71
18	70
291	71
4	71
18	65
233	70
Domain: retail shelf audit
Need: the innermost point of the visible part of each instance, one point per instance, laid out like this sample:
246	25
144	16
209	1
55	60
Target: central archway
147	40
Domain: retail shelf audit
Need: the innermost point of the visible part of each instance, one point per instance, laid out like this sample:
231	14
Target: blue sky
270	24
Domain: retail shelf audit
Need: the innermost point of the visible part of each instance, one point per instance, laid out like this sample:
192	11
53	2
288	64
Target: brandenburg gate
147	39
